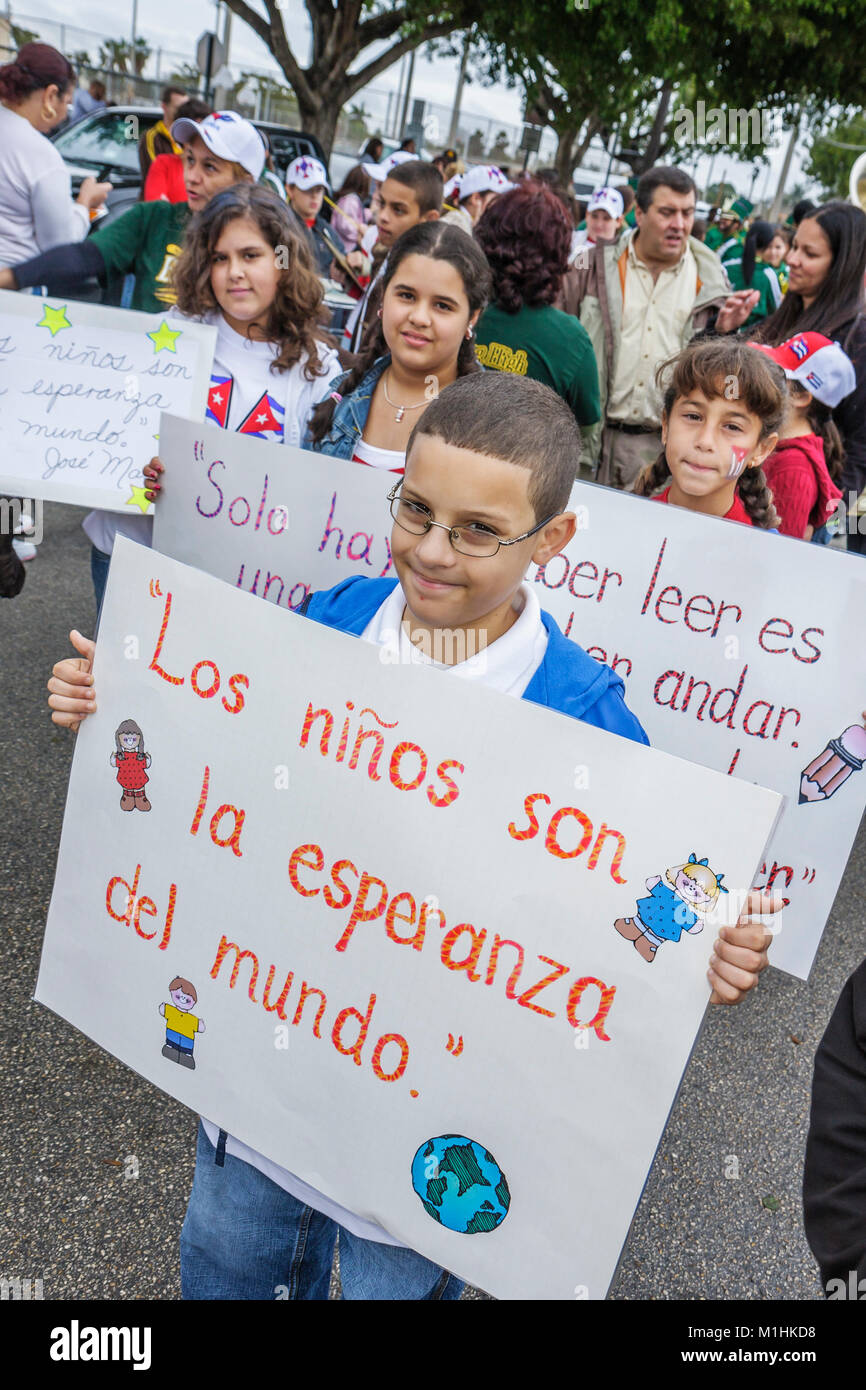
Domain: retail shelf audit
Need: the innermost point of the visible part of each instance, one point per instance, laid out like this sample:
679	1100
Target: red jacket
803	491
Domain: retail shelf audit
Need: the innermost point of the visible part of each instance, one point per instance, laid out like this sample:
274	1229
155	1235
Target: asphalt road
96	1164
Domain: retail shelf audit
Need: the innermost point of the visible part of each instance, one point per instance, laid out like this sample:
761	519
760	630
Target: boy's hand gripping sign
739	650
439	952
82	387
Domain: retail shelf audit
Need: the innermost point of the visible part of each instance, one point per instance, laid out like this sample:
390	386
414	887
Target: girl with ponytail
749	272
724	405
435	287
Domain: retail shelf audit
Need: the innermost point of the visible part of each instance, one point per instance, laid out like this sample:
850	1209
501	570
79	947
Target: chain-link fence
263	95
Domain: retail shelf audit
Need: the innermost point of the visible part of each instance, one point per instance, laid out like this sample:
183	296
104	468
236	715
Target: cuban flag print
265	420
219	399
800	348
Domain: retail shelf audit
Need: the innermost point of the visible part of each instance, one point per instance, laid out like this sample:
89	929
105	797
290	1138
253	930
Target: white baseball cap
607	200
380	172
818	364
227	135
452	188
305	173
484	178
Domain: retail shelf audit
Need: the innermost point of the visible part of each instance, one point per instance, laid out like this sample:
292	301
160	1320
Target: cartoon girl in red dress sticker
131	760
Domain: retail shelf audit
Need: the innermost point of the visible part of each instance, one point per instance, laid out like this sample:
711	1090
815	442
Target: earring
469	332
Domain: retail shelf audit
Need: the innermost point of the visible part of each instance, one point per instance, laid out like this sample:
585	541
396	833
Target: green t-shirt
714	238
145	242
547	345
764	279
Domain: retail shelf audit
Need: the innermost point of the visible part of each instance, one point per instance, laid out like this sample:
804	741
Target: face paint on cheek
738	462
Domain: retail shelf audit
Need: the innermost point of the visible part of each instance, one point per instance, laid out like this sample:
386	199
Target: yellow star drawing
137	498
54	319
164	337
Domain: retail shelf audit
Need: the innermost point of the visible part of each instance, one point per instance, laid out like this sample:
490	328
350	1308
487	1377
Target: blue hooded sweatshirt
567	680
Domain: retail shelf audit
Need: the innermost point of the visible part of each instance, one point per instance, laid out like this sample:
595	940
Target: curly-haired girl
245	270
526	236
723	407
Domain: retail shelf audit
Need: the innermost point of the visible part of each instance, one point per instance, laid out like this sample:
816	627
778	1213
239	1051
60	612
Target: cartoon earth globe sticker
460	1184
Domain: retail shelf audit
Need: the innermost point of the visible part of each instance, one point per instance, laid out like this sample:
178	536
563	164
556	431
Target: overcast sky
435	81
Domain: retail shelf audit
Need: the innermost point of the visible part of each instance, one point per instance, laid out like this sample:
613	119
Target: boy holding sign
489	468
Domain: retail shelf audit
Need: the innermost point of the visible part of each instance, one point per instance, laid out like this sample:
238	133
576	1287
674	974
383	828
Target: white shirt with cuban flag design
246	396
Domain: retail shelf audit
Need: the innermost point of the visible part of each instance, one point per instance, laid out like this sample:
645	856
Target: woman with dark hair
826	266
526	236
746	271
435	285
351	215
36	207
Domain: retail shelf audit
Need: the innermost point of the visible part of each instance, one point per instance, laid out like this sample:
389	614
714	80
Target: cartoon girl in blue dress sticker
669	911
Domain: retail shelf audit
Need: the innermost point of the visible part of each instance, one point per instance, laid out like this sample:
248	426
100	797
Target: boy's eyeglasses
472	539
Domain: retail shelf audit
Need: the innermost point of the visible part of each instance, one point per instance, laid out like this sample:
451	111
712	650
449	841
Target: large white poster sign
739	650
81	389
388	927
277	522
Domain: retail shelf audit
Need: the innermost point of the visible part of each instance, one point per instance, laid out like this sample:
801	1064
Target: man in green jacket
641	300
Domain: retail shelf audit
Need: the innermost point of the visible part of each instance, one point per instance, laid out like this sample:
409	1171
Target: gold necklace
401	409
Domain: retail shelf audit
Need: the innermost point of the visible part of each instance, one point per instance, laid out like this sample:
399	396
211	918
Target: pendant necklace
400	409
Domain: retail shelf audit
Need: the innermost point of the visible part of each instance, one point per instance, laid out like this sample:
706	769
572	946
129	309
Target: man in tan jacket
641	299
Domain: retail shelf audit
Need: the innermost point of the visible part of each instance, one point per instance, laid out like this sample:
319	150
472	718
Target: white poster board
81	391
739	650
398	918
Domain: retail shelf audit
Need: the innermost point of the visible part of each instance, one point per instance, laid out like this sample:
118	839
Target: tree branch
252	18
278	43
353	82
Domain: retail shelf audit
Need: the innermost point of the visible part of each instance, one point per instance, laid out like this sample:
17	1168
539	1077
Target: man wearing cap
479	186
158	139
306	182
641	299
604	219
731	228
218	152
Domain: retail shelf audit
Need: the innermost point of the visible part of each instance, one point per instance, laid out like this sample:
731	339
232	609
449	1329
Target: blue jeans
99	563
246	1238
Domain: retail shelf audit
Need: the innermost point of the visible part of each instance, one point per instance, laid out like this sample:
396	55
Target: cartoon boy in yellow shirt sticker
181	1026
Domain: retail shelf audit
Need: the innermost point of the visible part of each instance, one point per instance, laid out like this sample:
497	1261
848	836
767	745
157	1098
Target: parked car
104	144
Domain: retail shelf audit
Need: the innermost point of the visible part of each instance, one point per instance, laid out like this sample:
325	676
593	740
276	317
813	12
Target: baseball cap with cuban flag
607	200
817	364
379	172
305	173
228	136
484	178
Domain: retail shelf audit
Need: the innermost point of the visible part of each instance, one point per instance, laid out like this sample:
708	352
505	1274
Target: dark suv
105	145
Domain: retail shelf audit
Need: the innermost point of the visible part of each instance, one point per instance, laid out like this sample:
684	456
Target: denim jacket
350	414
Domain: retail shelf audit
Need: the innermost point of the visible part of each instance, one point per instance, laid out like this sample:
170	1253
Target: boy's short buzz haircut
512	418
425	182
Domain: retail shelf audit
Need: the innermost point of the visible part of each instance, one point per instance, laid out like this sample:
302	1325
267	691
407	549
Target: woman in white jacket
36	207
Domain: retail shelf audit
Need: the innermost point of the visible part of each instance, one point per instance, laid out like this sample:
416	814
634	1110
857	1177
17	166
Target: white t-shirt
508	666
244	396
36	207
389	459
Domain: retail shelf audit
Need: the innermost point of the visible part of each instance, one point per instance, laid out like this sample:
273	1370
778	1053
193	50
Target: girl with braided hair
436	284
724	405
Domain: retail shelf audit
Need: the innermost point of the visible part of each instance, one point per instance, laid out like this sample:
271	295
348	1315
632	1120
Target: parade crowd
716	368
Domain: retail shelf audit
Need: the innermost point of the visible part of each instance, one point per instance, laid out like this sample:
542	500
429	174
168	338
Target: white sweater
36	207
